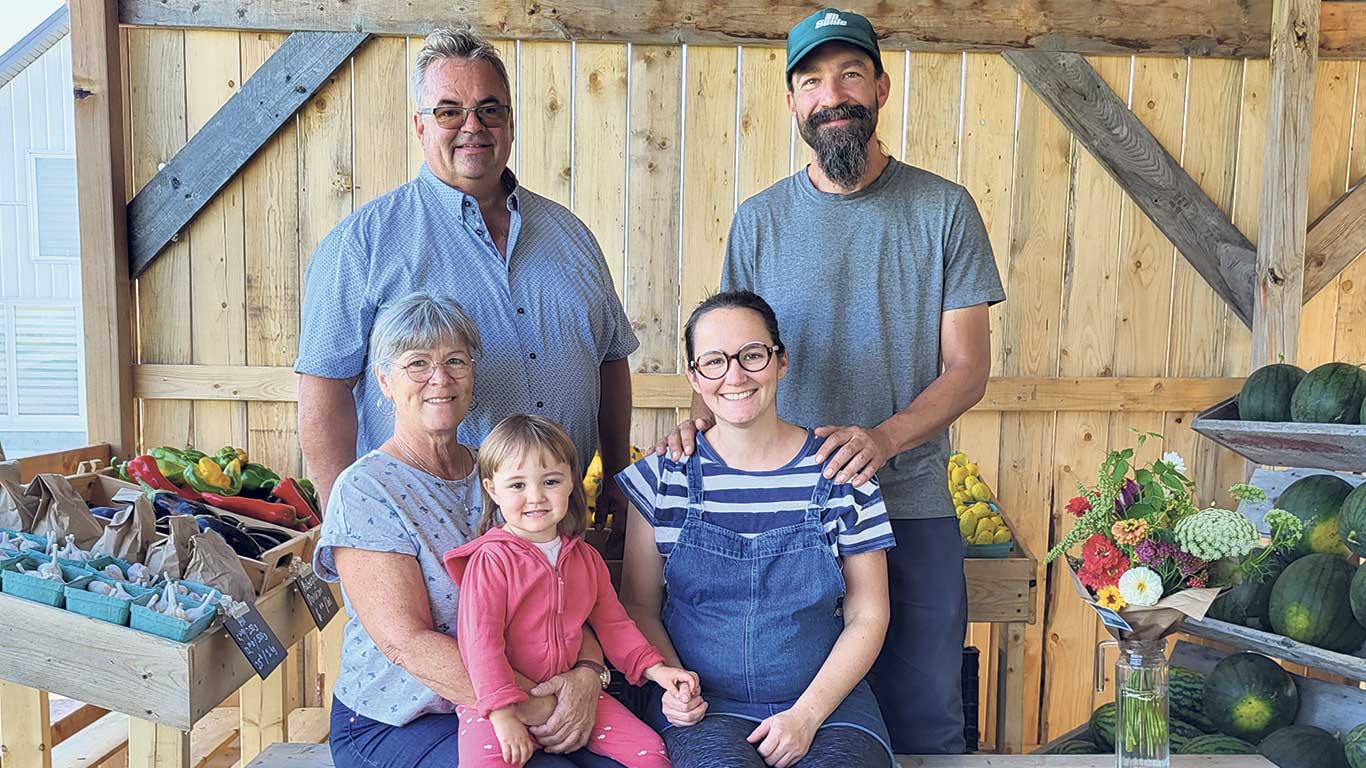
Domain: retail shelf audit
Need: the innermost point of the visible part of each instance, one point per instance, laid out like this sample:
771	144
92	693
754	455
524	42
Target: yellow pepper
210	473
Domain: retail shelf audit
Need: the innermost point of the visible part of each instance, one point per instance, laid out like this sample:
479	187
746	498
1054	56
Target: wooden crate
136	673
1285	444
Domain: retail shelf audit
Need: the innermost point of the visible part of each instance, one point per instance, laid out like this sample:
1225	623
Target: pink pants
616	733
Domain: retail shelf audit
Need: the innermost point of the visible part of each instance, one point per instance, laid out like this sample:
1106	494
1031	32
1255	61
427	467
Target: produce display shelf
1349	665
1285	444
1274	482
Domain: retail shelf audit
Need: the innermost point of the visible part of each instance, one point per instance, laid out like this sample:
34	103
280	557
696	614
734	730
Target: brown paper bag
171	555
214	564
129	535
16	509
62	511
1155	621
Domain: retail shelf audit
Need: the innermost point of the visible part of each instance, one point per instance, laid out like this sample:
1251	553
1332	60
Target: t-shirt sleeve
640	483
864	525
970	275
360	515
337	309
737	271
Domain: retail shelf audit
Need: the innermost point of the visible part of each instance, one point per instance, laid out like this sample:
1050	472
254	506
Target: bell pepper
207	477
121	467
258	477
143	469
171	462
227	454
288	491
310	492
265	511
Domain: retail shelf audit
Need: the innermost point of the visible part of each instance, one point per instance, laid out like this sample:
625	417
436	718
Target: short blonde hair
515	437
455	42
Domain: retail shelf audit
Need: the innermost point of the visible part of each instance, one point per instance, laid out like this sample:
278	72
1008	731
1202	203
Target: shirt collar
456	197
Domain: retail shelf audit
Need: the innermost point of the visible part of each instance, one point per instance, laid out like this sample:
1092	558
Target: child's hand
680	682
513	737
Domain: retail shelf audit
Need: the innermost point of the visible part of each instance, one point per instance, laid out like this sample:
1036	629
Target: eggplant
236	538
106	512
276	538
164	504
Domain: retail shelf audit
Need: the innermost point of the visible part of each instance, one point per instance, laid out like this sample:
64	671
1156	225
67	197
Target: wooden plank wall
654	146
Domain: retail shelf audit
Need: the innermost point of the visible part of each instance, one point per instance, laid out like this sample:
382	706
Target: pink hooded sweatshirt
518	612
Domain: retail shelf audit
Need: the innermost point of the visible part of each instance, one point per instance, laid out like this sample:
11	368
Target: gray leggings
719	742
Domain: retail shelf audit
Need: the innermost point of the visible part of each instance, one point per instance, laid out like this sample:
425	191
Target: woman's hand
784	738
683	708
675	680
513	737
576	707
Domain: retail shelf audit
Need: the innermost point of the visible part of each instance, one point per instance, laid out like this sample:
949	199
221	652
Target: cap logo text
831	20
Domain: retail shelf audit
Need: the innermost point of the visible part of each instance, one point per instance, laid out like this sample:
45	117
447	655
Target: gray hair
420	321
458	42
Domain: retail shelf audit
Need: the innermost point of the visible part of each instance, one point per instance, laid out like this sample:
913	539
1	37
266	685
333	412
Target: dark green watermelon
1248	696
1303	746
1357	596
1311	603
1216	744
1075	747
1354	744
1103	727
1266	393
1186	695
1179	732
1330	394
1316	501
1246	602
1352	521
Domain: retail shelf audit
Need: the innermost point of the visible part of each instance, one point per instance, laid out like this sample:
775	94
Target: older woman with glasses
391	516
777	576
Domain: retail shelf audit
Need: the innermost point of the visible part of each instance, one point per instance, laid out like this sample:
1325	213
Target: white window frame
35	253
12	421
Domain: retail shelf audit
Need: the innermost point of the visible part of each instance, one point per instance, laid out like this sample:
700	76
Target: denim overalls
757	617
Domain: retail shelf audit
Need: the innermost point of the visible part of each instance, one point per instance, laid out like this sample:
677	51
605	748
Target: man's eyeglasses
752	357
421	370
452	117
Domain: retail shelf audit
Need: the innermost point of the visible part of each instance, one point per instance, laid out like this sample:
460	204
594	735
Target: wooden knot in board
1275	277
82	93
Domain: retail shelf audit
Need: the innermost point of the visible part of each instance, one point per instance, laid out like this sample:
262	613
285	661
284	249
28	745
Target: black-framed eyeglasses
753	357
451	117
420	370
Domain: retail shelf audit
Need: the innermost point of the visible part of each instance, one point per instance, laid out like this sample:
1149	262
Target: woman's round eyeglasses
752	357
420	370
451	117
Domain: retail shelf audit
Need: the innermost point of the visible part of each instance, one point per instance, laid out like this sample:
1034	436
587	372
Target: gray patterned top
383	505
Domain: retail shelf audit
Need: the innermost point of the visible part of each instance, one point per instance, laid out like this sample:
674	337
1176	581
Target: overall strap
694	472
820	496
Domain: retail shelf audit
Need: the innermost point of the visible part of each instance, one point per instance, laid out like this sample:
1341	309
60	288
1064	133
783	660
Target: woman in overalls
745	564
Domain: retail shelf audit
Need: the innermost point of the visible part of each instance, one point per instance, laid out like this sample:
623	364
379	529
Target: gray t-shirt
859	283
383	505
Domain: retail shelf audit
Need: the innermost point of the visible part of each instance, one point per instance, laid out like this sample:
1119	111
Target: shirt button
521	311
540	404
533	355
467	203
478	231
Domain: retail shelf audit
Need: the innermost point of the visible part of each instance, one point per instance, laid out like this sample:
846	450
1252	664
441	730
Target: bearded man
881	275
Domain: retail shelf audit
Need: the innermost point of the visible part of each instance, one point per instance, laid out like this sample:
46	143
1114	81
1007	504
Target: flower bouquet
1150	557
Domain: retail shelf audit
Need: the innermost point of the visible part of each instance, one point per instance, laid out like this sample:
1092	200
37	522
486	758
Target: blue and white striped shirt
750	503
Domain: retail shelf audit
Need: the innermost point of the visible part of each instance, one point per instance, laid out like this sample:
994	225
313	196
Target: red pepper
144	470
265	511
288	491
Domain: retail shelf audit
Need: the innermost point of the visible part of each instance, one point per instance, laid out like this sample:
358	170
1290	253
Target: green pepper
207	477
121	467
171	462
258	477
309	491
227	454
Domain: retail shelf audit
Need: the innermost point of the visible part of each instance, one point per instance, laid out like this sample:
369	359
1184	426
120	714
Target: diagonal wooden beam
242	126
1335	240
1146	171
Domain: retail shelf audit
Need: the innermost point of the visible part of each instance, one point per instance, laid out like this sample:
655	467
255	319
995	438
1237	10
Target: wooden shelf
1274	482
1285	444
1349	665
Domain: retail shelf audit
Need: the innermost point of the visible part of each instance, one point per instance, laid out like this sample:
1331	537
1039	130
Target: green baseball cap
828	25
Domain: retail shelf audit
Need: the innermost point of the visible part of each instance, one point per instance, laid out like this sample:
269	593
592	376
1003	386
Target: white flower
1140	586
1174	459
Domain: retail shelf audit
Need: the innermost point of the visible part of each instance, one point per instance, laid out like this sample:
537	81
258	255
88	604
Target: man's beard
842	150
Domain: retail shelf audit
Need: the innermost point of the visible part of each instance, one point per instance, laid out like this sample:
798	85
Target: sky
19	17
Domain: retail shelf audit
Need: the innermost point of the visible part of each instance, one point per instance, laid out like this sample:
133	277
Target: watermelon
1356	597
1354	745
1075	747
1330	394
1186	692
1311	603
1216	744
1246	602
1103	727
1179	732
1266	393
1352	521
1248	696
1303	746
1316	500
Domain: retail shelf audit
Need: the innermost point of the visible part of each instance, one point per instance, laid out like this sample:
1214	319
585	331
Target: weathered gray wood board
1285	444
266	101
1155	181
1351	666
1274	482
1336	239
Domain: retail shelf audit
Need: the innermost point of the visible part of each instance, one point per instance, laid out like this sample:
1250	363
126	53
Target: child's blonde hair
518	436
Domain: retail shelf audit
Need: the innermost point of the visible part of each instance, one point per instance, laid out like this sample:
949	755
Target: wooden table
317	756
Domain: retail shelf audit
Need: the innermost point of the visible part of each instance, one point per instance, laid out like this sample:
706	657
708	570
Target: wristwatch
604	676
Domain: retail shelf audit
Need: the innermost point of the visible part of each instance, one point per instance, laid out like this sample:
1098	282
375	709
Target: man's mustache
840	112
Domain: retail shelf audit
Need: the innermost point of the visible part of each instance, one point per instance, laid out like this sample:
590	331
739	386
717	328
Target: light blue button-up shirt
548	315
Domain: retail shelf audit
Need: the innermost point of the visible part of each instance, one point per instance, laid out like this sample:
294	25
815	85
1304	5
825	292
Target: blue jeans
918	676
427	742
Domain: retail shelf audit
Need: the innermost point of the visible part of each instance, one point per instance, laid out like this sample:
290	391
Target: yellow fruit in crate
961	497
972	469
967	525
985	537
958	458
997	520
959	509
985	524
981	492
957	475
981	509
636	454
1001	536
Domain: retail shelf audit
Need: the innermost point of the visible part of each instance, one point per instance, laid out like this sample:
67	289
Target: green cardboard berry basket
39	590
145	619
103	607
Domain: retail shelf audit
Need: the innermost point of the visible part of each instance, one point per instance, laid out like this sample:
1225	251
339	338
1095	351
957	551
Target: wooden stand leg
1010	689
24	726
152	745
264	711
329	657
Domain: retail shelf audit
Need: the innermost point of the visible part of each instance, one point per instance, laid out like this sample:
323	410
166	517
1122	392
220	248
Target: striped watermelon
1248	696
1303	746
1316	501
1311	603
1352	521
1103	727
1266	393
1330	394
1356	596
1186	691
1075	747
1247	601
1216	744
1179	732
1354	743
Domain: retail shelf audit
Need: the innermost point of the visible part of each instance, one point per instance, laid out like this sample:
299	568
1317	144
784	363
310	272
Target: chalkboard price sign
317	595
254	638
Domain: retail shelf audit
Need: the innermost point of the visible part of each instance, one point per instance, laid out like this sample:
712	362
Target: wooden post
153	745
1010	689
264	711
1285	182
101	194
24	727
